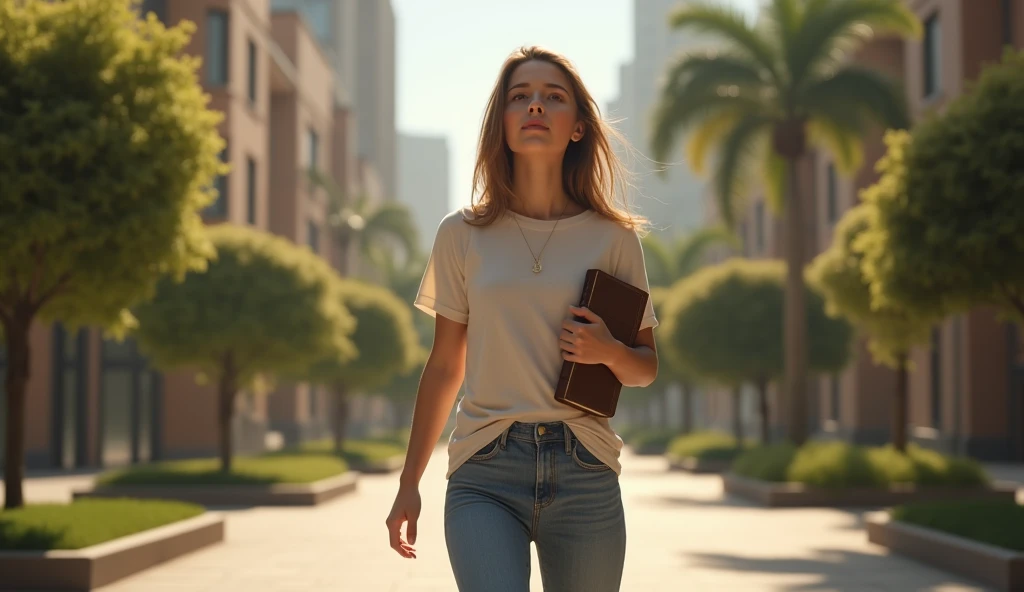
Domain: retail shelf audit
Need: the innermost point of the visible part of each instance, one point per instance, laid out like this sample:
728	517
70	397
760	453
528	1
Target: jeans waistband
540	432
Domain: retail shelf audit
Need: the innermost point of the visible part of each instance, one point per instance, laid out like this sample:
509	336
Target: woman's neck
539	192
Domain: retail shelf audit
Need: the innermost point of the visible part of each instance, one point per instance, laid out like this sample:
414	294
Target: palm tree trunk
762	392
737	415
19	354
227	390
795	315
687	407
899	412
340	416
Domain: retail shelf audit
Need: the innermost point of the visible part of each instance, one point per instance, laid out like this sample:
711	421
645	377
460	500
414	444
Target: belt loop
504	437
568	438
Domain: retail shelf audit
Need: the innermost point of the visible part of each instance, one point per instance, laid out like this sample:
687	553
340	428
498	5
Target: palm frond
674	114
858	90
711	69
844	143
783	18
692	247
831	24
734	171
708	134
335	194
661	266
730	24
392	220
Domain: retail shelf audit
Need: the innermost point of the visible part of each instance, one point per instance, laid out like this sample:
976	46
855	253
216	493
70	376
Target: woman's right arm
439	385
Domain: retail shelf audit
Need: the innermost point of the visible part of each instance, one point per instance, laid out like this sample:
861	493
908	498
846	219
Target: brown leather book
593	388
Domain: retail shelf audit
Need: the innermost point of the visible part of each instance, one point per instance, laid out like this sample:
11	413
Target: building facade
423	182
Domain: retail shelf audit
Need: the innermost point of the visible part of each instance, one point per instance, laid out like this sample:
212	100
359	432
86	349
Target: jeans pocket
489	451
585	459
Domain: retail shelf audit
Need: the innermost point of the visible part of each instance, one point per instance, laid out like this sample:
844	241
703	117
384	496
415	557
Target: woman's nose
536	107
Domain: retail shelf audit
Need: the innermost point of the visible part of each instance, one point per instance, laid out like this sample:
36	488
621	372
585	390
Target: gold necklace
537	267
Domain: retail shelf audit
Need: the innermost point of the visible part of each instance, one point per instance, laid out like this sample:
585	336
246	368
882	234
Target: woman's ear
577	135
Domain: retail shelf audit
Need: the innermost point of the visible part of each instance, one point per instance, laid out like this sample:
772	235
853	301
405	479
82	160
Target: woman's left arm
593	343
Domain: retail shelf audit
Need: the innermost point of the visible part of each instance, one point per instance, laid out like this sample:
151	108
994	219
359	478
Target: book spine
567	367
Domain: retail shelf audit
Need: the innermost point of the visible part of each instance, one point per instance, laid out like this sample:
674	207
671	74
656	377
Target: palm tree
361	229
667	263
773	89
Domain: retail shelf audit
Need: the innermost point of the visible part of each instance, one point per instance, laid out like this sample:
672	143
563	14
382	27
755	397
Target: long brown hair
592	174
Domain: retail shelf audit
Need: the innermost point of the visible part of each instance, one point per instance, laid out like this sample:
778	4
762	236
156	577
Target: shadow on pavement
840	570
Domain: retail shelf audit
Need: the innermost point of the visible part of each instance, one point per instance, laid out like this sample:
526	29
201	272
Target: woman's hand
405	509
590	342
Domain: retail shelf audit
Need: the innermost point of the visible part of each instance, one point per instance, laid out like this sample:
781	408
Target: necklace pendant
537	267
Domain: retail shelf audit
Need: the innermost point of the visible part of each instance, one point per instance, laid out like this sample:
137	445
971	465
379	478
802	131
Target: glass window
217	48
250	188
932	56
252	73
314	237
219	208
118	351
158	7
313	149
116	389
936	364
833	198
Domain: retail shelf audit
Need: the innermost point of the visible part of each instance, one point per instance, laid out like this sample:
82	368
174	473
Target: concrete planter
1000	568
693	464
389	465
284	494
99	565
795	495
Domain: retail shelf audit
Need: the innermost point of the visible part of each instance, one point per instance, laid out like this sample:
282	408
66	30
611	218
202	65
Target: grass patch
839	465
85	522
996	523
358	452
704	446
257	470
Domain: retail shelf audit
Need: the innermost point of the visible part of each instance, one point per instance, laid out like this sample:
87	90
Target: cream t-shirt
482	276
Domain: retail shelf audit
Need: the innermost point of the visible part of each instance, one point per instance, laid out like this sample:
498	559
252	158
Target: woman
501	282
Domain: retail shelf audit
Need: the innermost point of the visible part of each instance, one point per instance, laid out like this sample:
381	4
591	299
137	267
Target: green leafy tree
773	90
950	232
109	151
387	345
891	332
264	306
724	324
668	263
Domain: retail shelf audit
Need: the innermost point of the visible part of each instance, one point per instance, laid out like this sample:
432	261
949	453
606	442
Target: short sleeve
443	287
630	268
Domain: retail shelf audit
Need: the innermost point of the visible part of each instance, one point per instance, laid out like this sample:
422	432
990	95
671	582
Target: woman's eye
556	97
518	96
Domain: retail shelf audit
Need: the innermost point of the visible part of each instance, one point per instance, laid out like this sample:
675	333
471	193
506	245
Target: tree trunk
899	411
18	357
737	415
226	410
687	407
340	416
795	315
762	392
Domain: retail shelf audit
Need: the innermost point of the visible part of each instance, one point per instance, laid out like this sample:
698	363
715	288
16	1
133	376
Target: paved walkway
682	536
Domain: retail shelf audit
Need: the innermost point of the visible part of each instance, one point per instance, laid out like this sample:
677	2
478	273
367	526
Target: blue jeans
535	482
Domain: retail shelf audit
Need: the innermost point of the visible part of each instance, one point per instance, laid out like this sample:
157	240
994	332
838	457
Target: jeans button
541	430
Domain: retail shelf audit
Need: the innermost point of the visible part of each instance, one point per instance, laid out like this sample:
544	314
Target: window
314	236
250	187
158	7
312	149
932	56
759	225
252	73
1007	22
834	403
832	206
936	364
217	48
219	208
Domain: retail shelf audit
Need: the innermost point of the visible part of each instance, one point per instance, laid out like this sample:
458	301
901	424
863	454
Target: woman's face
540	111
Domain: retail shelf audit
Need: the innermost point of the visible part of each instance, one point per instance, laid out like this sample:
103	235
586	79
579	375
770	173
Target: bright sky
449	53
